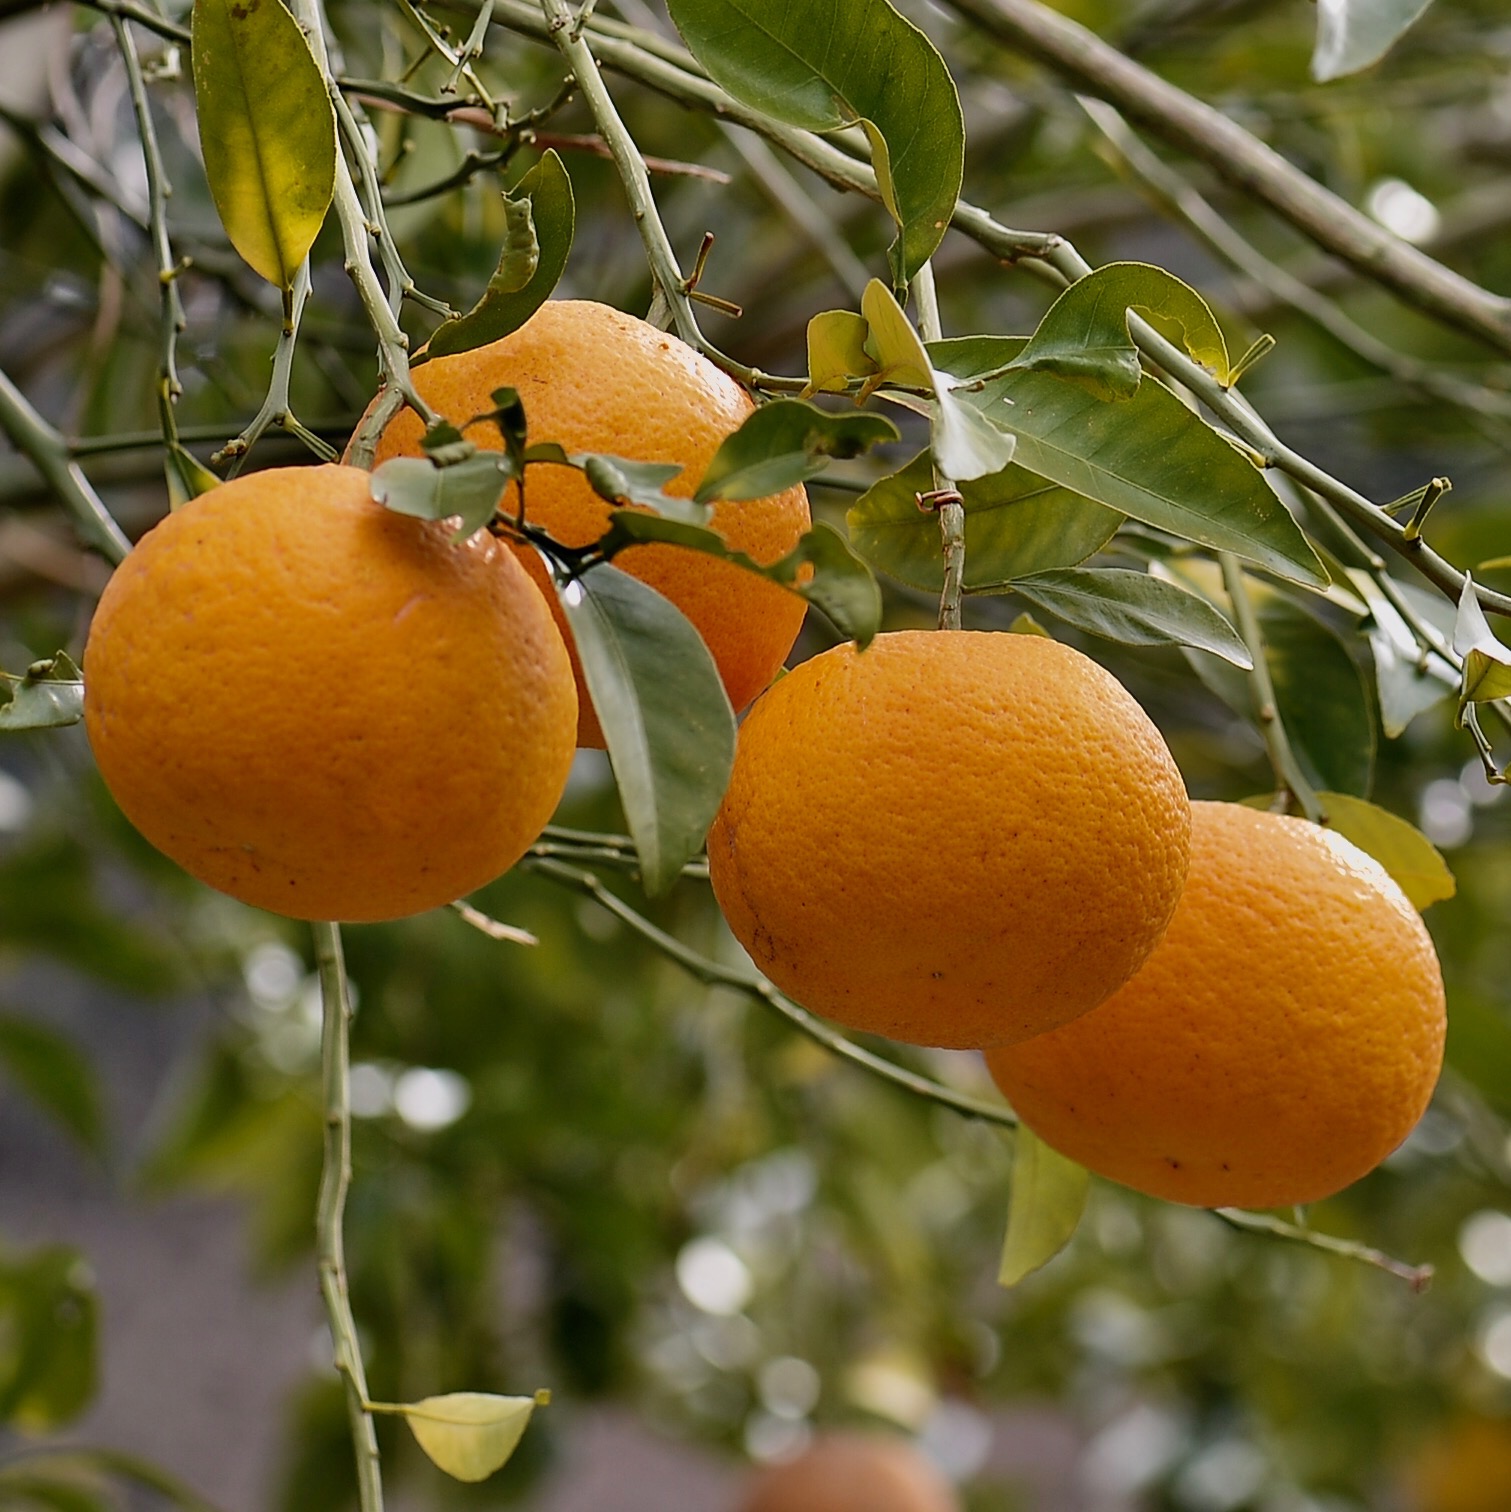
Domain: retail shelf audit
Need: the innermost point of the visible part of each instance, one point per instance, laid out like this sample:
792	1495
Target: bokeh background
577	1166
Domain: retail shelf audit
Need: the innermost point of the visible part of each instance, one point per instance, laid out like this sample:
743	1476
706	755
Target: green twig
711	974
1282	758
159	190
1417	1277
335	1179
1242	160
30	434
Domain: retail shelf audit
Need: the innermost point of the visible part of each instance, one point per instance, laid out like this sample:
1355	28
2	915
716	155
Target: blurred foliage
574	1165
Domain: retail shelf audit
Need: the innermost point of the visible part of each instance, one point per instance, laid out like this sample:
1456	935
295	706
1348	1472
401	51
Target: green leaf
837	351
1148	457
469	490
1407	680
1084	336
1048	1197
1404	851
827	64
49	1320
24	1489
1319	693
785	442
622	480
1015	523
267	130
820	568
1352	34
1487	663
187	476
55	1076
470	1434
964	441
540	218
48	696
666	718
1133	608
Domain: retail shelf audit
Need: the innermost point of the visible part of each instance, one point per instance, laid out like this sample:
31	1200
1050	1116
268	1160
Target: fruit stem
1287	769
335	1179
945	498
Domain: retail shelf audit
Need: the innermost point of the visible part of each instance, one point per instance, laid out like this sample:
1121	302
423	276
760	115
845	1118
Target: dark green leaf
469	490
1134	608
1319	692
49	695
1408	679
1352	34
56	1077
1048	1197
665	716
621	480
783	443
1403	850
828	64
49	1318
1149	457
821	567
267	129
1084	337
1015	524
540	219
1487	663
187	476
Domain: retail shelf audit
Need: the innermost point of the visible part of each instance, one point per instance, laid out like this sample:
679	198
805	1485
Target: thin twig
1171	193
31	434
1417	1277
1282	758
1241	159
711	974
335	1179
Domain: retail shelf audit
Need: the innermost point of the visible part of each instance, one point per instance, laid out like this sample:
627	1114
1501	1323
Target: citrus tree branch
30	434
711	974
1169	192
158	190
1241	159
335	1179
1282	758
1417	1277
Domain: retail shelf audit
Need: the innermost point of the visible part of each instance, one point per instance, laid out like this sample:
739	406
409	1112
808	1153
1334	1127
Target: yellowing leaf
1049	1196
837	351
1404	851
470	1434
267	129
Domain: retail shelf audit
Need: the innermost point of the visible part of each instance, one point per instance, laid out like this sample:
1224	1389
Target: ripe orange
956	838
324	708
598	380
1283	1039
852	1472
1465	1466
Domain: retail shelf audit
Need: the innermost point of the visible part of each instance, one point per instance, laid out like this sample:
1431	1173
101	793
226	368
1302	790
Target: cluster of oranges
965	839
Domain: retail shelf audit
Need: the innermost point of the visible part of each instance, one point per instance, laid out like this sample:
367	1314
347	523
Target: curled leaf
470	1434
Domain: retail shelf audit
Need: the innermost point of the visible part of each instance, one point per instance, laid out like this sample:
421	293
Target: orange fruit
598	380
324	708
852	1472
955	838
1282	1040
1465	1466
